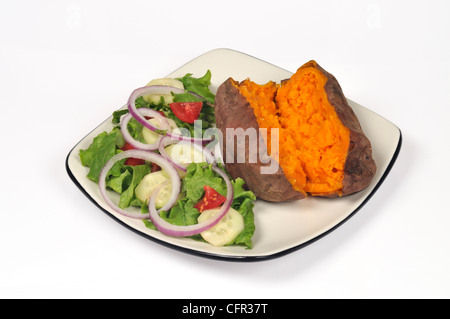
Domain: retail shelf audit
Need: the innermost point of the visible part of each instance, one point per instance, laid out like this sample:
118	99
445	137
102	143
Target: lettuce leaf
196	179
199	86
128	196
243	202
99	152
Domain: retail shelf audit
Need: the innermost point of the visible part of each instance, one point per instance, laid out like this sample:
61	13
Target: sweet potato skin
233	111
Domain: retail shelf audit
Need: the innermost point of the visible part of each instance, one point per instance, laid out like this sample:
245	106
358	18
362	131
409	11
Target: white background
66	65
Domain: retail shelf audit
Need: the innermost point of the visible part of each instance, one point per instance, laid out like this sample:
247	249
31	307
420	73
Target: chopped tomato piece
149	117
155	168
187	111
212	199
132	161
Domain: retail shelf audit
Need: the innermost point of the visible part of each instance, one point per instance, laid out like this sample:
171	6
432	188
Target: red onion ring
158	89
183	231
147	156
136	144
210	158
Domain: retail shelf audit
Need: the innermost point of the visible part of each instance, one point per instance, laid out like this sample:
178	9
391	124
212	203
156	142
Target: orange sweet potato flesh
322	148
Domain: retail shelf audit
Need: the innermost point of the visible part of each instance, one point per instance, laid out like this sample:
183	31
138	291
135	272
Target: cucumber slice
151	137
185	153
163	196
149	183
168	98
225	231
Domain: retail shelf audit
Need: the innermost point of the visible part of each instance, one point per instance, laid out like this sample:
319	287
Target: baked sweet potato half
312	139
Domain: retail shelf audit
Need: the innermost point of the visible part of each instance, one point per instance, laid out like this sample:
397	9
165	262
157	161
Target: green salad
157	159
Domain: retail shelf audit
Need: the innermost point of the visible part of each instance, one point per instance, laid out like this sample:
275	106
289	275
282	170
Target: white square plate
281	228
